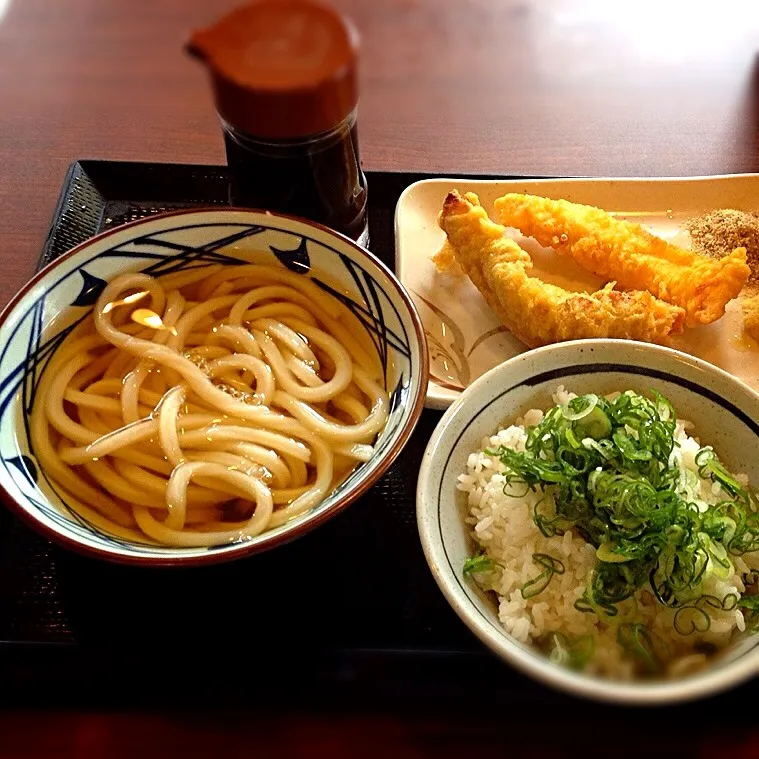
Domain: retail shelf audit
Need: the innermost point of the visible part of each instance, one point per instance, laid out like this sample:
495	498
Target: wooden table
546	87
538	87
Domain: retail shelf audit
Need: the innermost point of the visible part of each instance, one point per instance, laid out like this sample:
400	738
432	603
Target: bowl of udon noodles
203	385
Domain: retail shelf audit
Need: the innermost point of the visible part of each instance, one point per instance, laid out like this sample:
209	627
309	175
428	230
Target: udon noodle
207	405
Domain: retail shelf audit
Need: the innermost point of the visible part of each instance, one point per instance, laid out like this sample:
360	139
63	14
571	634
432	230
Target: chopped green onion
609	471
571	652
596	425
478	564
609	553
572	438
690	619
709	466
579	407
540	583
728	603
636	640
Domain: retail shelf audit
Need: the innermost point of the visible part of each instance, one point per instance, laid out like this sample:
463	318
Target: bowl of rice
589	511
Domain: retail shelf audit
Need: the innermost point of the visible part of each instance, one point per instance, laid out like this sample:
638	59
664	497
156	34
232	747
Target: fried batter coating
750	307
631	256
536	312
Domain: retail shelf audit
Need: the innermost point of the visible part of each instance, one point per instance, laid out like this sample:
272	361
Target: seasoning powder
718	233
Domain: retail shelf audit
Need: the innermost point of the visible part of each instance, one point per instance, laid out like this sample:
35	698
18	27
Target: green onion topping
478	564
609	470
538	584
567	651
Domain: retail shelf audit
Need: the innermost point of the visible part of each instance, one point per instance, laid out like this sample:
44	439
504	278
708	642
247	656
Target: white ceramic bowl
65	291
725	412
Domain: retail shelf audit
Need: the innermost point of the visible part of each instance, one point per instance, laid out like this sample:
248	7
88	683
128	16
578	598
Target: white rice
503	526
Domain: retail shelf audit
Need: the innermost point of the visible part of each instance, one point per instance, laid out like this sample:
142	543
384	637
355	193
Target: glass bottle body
317	177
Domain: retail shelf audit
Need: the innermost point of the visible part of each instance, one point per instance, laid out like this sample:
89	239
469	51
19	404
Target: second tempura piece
628	254
537	312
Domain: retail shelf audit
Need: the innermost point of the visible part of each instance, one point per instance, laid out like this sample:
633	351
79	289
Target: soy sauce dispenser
285	87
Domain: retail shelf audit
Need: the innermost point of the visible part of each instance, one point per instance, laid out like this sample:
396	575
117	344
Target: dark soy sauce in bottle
318	179
284	76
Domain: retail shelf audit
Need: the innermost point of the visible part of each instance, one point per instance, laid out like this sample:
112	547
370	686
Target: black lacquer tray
347	614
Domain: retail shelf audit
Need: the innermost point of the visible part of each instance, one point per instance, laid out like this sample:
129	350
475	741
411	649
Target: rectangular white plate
466	339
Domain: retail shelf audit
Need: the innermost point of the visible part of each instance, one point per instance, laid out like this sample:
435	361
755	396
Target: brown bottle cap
281	68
